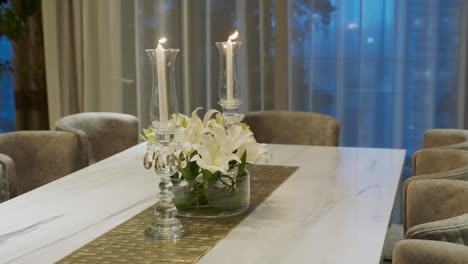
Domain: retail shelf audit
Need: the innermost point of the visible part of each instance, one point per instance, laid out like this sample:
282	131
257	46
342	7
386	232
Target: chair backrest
413	251
102	134
289	127
446	138
438	160
39	157
437	209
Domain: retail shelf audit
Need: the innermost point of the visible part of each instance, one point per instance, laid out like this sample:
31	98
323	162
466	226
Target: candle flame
234	36
163	40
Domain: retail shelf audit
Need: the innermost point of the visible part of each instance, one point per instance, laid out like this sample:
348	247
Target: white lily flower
190	131
182	120
216	146
212	157
240	136
208	115
254	151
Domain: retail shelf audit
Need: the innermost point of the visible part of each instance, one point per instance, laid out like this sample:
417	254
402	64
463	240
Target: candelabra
163	152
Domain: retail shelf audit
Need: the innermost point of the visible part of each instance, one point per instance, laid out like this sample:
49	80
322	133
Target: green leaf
143	137
216	176
191	171
187	174
244	126
147	131
241	168
207	175
220	121
148	136
183	122
152	138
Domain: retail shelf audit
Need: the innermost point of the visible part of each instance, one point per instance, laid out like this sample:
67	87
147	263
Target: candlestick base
230	114
230	105
163	129
165	228
165	156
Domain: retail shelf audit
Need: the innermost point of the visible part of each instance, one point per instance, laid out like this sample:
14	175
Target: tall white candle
229	72
161	63
230	69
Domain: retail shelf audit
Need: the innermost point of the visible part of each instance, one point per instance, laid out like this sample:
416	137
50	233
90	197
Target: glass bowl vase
225	196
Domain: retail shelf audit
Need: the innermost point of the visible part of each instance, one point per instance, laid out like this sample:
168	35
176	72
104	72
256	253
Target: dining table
334	208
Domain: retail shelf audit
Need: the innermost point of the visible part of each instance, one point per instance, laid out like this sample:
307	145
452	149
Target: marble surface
334	209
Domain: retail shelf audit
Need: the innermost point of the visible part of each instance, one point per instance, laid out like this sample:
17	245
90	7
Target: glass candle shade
228	88
163	97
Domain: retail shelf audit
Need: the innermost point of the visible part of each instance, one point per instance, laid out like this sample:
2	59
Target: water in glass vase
227	195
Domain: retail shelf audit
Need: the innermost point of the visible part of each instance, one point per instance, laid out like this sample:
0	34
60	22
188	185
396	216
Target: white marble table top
334	209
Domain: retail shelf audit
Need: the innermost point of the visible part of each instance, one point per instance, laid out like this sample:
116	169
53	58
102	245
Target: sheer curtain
83	56
388	70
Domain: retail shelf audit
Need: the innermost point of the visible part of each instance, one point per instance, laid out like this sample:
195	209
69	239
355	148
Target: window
7	103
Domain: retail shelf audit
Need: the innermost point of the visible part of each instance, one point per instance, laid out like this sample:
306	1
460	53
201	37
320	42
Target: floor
394	234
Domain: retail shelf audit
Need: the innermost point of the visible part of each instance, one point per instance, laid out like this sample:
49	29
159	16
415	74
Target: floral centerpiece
213	182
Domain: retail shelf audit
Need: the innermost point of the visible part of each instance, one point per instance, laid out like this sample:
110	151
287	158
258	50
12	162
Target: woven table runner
127	243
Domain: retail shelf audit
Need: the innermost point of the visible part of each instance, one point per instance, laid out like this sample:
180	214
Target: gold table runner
127	243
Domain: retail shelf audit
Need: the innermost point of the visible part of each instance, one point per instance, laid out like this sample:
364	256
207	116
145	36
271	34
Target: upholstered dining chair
101	134
413	251
437	210
30	159
290	127
434	163
446	138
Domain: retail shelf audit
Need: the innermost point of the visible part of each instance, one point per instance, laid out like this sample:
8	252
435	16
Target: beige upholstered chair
101	134
33	158
446	138
288	127
415	251
434	163
437	210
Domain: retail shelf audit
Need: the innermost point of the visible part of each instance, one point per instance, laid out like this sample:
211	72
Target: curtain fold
83	69
463	68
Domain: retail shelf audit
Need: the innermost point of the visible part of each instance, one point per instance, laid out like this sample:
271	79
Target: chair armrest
82	139
435	199
414	251
9	187
446	138
454	230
